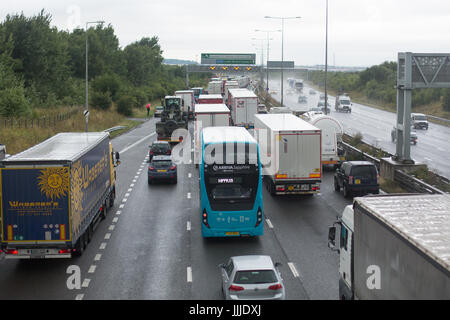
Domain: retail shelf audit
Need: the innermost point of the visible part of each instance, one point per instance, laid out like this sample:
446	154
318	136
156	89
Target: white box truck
394	247
243	106
188	102
231	84
332	132
215	87
290	151
208	115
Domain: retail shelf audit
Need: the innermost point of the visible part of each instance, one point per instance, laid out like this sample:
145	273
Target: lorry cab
343	103
419	121
345	248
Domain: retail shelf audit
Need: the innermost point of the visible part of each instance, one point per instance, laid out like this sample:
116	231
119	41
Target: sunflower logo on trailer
54	182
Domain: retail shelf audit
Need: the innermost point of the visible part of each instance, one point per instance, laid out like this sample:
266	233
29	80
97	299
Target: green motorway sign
228	58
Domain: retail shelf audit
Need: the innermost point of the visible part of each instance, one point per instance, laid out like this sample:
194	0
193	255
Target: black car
357	178
162	168
159	148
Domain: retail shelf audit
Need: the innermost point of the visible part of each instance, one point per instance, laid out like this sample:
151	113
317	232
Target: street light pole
87	86
267	64
282	49
326	60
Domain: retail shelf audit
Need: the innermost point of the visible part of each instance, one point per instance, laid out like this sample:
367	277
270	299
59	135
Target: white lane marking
111	227
85	283
136	177
130	189
188	195
118	212
188	226
269	223
92	268
124	200
115	219
79	296
293	269
97	257
132	185
103	246
121	206
189	274
126	195
137	142
189	175
107	236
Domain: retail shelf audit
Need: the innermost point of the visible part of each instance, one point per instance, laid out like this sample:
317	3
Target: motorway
375	125
150	244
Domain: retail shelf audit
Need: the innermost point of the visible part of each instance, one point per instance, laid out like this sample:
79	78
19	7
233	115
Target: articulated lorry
188	102
394	247
243	104
208	115
54	194
290	151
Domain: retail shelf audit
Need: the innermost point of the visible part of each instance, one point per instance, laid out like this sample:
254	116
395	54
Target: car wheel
336	185
346	192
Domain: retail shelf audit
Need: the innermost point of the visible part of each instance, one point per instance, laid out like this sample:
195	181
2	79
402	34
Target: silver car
253	277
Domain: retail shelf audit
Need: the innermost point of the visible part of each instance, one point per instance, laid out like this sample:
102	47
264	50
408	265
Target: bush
13	102
125	105
446	100
110	83
101	100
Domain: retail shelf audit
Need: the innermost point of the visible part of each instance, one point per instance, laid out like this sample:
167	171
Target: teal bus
231	199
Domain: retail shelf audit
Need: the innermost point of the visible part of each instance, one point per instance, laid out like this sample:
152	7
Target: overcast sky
361	32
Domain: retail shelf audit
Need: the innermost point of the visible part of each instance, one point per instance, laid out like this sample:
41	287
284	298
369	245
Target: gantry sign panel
416	71
229	58
423	70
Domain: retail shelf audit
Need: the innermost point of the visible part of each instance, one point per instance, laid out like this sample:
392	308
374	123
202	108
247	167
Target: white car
158	111
253	277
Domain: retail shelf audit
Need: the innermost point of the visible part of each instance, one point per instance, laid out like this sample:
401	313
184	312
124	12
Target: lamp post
267	64
326	59
86	112
282	48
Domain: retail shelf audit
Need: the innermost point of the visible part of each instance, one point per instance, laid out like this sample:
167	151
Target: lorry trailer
290	149
394	247
55	193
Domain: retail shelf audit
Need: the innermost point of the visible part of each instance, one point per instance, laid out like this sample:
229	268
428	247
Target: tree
40	51
143	61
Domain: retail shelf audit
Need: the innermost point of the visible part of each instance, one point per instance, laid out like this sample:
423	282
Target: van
419	121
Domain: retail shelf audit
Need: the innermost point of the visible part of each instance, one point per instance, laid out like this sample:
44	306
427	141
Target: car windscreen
161	164
423	118
160	147
255	276
345	101
369	172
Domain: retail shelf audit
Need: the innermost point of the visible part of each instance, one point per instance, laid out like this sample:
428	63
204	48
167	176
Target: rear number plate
232	233
162	170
